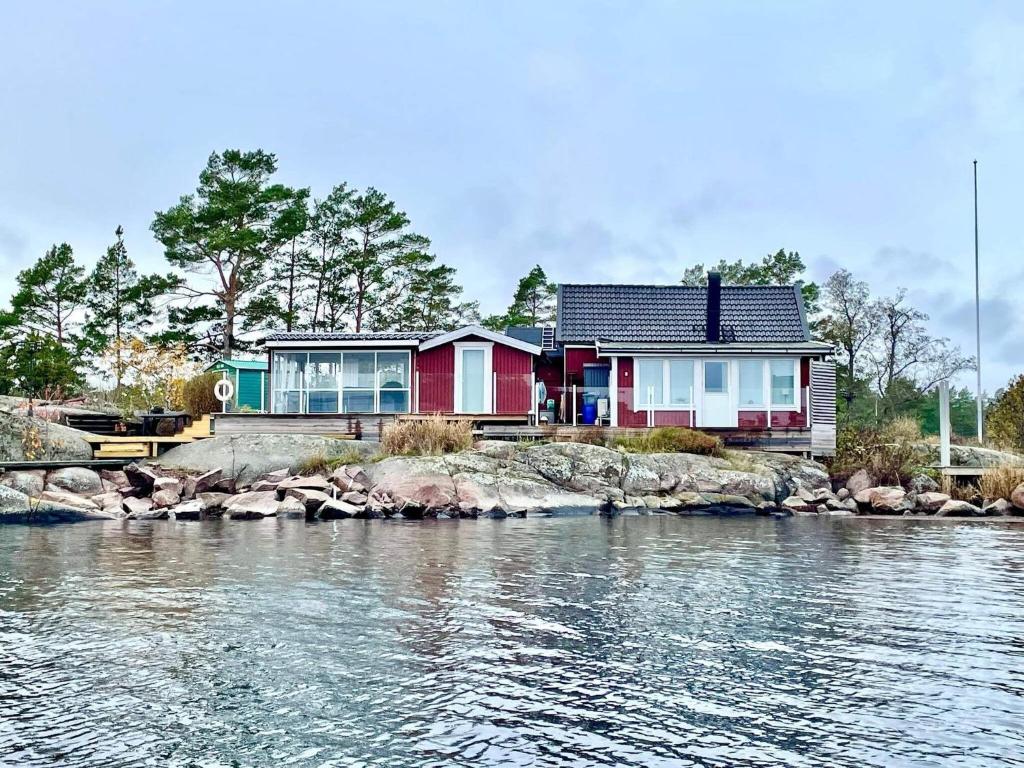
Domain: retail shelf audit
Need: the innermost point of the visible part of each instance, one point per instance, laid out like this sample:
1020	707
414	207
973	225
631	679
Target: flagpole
977	308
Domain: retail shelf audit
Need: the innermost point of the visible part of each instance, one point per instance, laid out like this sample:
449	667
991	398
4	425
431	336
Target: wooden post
494	392
944	424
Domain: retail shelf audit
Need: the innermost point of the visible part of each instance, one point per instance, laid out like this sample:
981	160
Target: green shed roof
243	365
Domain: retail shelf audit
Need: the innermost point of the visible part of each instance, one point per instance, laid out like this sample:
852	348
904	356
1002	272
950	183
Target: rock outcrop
26	438
246	457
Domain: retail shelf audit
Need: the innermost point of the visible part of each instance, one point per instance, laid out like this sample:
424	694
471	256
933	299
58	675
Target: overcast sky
604	141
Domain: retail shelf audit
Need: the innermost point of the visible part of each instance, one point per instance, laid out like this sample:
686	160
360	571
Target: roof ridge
672	285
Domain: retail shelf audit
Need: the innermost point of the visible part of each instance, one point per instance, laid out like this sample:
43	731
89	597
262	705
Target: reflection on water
656	641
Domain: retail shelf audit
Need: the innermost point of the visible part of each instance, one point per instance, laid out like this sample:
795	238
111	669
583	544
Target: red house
735	359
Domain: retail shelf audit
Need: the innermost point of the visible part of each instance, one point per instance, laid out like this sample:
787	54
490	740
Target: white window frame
488	349
666	389
797	385
766	386
304	389
697	390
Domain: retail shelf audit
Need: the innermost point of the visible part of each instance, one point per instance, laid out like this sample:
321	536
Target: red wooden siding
513	369
574	361
627	416
436	369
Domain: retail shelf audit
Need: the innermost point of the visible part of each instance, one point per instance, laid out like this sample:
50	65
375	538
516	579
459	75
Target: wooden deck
146	447
783	441
345	426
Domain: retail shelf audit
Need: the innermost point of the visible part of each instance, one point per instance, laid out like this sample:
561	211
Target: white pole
417	392
494	392
944	424
977	308
650	405
574	405
533	389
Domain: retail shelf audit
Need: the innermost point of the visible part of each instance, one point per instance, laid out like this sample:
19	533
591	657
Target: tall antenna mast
977	309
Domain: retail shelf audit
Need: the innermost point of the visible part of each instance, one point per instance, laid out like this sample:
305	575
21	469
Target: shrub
1005	417
1000	482
426	437
889	455
672	440
198	396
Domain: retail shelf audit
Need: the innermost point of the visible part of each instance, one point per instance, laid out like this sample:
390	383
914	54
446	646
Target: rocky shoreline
496	479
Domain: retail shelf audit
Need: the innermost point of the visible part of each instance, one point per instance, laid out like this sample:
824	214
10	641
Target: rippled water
653	641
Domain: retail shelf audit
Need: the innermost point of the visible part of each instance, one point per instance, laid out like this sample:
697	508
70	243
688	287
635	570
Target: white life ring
223	390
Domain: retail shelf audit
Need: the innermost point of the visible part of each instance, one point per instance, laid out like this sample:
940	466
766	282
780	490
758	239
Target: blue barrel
590	411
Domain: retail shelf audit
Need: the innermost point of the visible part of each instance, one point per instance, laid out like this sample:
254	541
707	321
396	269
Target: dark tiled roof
368	336
677	313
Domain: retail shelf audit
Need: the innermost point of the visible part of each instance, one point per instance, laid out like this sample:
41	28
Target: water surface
651	641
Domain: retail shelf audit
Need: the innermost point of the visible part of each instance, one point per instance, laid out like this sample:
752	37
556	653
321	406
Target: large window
783	373
751	383
341	382
287	375
664	383
669	383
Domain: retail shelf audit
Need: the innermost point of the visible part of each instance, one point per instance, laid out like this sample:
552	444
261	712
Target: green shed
250	379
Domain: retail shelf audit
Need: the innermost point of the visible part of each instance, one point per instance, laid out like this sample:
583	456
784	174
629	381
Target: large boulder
931	501
31	482
310	498
251	506
69	499
16	507
859	481
1000	508
1017	496
301	482
885	499
247	457
78	480
26	438
956	508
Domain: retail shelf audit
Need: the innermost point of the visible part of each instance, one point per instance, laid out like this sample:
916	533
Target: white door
717	409
472	378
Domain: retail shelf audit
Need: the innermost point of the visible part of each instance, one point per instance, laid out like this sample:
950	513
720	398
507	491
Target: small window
783	382
716	380
751	382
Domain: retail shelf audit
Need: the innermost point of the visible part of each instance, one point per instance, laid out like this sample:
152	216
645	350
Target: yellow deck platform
139	447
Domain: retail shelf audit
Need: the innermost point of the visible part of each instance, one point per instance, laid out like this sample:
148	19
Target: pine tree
231	229
533	304
49	299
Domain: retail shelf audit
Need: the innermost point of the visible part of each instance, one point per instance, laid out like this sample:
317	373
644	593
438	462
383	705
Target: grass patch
672	440
426	437
960	491
1000	482
320	463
